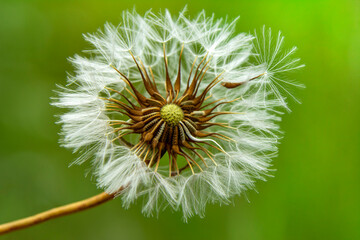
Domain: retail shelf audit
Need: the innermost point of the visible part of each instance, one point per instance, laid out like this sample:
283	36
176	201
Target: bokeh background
315	193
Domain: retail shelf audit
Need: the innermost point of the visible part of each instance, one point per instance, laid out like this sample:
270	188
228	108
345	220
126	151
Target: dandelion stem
57	212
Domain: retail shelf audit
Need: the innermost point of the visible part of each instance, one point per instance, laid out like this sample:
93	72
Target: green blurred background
315	193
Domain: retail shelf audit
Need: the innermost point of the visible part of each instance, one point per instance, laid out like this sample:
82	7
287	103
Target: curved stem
57	212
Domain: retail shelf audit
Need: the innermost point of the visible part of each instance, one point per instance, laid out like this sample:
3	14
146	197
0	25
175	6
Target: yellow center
172	114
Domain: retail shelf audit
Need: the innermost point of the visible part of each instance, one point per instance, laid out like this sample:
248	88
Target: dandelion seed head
181	111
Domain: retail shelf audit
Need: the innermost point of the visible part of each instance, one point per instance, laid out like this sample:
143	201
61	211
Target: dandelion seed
275	63
180	111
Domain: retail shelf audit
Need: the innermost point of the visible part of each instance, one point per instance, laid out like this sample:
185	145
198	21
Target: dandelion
176	111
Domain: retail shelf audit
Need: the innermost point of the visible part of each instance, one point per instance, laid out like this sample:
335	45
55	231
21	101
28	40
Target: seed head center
172	114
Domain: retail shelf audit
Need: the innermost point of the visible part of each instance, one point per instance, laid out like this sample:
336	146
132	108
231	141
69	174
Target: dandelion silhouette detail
177	111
